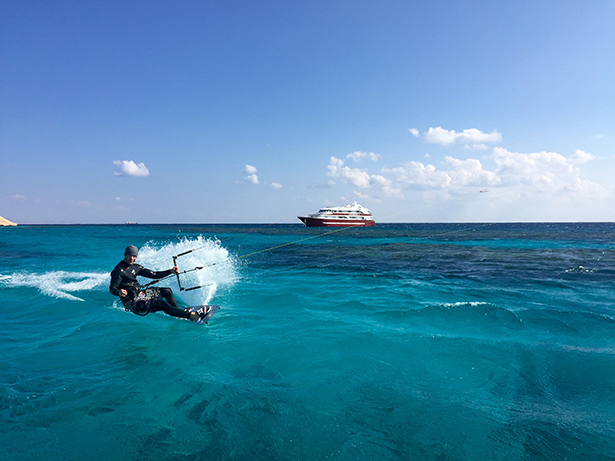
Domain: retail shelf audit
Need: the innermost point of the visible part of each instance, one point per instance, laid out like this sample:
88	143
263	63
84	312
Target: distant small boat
349	215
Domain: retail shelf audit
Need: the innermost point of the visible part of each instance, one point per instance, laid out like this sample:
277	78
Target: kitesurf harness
140	303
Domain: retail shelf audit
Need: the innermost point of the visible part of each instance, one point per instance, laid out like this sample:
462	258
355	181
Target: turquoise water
403	341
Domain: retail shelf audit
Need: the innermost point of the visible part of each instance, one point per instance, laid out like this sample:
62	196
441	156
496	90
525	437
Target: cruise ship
352	214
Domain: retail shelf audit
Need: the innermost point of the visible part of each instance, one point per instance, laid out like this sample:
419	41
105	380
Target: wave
579	269
483	314
57	284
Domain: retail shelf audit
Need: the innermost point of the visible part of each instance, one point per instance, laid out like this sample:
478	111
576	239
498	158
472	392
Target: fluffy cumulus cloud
337	169
545	172
130	168
251	172
414	132
581	157
528	173
358	156
357	176
470	138
541	171
470	172
413	174
276	185
533	186
418	175
386	186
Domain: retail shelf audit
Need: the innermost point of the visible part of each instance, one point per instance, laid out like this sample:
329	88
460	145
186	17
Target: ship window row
343	213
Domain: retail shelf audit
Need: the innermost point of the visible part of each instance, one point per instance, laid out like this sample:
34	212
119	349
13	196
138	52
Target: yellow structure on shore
6	222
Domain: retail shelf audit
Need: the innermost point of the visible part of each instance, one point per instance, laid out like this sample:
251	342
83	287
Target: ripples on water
460	342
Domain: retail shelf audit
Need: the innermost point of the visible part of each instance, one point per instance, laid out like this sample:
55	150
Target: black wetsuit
124	276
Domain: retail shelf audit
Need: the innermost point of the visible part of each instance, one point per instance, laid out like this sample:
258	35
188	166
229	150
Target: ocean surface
398	342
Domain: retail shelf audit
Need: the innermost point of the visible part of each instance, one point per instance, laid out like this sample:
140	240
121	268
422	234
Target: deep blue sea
398	342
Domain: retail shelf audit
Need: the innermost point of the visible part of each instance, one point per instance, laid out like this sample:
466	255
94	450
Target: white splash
218	267
57	284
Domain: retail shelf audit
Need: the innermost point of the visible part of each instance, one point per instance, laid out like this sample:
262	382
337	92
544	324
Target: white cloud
275	185
357	156
252	176
414	132
17	198
471	136
470	172
581	157
417	174
546	178
356	176
130	168
545	172
381	180
385	185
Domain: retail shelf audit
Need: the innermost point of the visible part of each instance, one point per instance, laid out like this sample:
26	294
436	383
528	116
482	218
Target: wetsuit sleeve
116	279
154	274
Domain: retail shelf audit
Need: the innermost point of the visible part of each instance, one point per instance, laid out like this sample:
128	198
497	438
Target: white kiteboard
208	309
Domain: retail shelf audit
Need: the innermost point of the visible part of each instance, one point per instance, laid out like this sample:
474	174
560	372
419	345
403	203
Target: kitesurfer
143	301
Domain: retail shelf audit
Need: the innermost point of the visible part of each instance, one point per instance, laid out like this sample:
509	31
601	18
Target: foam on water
57	284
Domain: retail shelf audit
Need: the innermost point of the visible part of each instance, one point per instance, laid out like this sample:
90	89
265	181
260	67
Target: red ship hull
316	222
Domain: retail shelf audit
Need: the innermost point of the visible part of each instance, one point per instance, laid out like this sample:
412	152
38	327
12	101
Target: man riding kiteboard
151	299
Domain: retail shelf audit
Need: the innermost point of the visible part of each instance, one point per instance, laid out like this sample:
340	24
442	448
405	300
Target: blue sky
259	111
